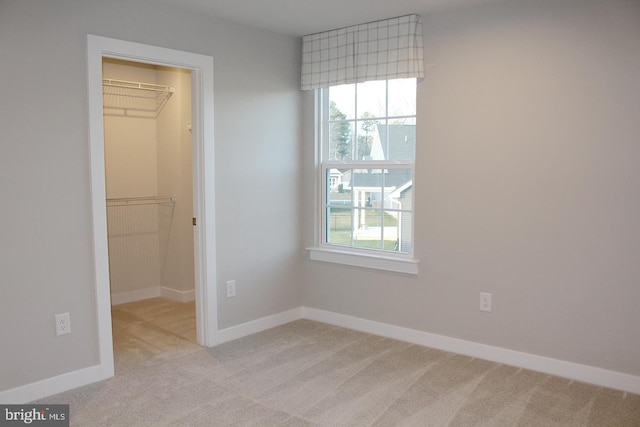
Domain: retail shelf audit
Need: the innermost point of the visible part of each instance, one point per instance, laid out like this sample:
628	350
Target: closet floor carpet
307	373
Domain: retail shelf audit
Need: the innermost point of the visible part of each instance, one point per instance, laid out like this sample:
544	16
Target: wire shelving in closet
127	98
142	200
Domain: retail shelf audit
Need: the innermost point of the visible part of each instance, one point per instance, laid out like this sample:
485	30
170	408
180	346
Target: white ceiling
300	17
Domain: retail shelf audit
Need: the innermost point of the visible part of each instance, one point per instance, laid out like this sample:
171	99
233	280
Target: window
367	137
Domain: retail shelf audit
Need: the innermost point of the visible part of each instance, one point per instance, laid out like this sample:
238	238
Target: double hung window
368	140
365	81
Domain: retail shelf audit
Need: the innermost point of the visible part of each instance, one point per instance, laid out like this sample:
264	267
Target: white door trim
201	67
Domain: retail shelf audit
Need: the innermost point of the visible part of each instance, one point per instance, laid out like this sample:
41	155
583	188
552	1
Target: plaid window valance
381	50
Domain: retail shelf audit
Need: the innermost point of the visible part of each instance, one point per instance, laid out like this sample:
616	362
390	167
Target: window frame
402	262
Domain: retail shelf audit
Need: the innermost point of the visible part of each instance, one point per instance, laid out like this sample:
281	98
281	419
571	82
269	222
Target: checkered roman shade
381	50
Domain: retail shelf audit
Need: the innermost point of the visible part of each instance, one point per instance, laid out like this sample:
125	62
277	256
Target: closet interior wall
148	153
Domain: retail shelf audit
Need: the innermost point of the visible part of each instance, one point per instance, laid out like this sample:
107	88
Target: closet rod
137	85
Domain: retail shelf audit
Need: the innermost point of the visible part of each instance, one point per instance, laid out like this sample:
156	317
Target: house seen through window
368	138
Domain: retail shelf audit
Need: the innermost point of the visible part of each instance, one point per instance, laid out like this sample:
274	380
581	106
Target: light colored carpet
307	373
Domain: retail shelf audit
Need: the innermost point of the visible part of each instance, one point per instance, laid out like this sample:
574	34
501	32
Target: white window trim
356	257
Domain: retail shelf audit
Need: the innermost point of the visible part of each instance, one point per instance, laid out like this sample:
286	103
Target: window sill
357	259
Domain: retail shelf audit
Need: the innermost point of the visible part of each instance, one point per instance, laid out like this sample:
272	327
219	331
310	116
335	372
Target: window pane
398	187
402	97
368	140
398	140
340	140
365	182
338	192
372	99
390	230
342	102
404	232
368	230
339	226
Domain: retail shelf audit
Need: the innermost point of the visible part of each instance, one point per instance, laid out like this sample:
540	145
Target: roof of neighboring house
392	178
402	141
399	192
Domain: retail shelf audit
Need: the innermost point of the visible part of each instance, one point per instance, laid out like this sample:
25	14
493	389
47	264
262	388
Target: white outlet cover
63	324
231	288
485	302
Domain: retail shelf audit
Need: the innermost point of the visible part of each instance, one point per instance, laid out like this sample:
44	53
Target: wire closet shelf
137	201
125	97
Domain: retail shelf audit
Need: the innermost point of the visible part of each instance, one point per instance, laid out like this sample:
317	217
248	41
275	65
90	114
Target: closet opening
200	68
149	207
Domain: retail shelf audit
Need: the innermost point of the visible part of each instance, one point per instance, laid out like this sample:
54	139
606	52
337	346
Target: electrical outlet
63	324
231	288
485	302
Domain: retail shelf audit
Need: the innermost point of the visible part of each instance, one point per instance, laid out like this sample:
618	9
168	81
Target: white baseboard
154	292
179	296
258	325
561	368
137	295
58	384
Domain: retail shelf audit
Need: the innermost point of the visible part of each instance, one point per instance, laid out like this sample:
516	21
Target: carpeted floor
307	373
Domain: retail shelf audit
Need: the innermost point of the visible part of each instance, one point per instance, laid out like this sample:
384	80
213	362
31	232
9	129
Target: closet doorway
148	175
118	53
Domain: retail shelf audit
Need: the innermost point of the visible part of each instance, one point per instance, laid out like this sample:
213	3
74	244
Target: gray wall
528	186
527	183
46	262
